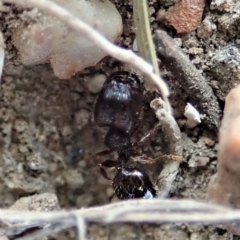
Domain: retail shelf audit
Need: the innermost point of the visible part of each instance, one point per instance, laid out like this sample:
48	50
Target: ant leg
143	159
169	157
103	172
107	164
149	135
102	153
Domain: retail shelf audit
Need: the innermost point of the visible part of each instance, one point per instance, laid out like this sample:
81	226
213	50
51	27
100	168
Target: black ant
119	107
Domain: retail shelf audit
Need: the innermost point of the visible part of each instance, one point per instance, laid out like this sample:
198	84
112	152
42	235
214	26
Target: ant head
134	81
131	182
127	78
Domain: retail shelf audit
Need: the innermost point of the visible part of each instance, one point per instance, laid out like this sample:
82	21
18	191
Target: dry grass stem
156	210
135	211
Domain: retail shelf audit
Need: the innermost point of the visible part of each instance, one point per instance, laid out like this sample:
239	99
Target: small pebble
66	131
67	50
95	83
81	118
198	161
186	16
161	15
181	122
23	149
75	154
209	142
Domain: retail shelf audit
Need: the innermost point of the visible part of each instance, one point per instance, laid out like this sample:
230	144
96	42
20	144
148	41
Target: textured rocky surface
47	134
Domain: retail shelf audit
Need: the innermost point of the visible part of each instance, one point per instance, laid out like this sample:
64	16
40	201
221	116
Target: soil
47	134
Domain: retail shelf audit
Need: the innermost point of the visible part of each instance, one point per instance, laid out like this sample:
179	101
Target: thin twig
152	211
121	54
174	146
81	226
17	229
48	230
135	211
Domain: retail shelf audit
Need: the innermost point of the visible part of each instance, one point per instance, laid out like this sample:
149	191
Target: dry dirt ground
47	133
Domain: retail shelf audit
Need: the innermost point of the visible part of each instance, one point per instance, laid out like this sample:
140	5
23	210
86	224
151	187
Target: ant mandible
119	107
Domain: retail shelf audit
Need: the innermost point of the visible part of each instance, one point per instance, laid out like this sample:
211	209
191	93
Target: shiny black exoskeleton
131	182
118	107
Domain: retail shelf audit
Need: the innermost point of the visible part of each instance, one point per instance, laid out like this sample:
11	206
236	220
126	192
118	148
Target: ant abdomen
131	182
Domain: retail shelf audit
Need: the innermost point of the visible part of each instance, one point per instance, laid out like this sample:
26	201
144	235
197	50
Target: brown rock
223	187
186	15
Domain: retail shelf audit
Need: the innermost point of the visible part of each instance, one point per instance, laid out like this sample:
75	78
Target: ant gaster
119	106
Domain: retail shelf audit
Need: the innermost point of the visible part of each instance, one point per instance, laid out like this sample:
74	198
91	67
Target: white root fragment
173	138
192	115
2	55
81	225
